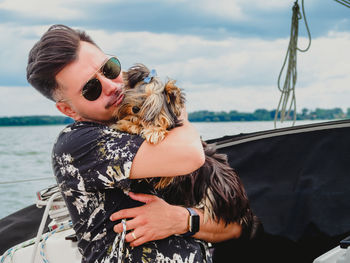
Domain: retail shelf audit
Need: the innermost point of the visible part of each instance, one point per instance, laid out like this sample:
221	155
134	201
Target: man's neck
103	122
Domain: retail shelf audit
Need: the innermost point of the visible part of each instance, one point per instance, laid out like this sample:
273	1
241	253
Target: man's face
74	76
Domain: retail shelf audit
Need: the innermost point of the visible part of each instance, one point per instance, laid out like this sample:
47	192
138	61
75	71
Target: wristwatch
193	223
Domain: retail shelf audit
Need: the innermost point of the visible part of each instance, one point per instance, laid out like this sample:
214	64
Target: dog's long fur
151	110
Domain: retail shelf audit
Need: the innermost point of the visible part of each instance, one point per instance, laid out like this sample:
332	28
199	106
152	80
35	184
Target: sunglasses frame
96	85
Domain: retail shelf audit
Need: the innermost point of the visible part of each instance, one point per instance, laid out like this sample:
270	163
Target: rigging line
291	69
26	180
343	2
288	90
307	28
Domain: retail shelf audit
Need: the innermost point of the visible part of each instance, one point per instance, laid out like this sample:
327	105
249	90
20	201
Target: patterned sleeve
97	156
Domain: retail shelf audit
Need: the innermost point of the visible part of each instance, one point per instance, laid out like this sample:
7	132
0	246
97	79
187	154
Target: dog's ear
135	74
175	97
153	103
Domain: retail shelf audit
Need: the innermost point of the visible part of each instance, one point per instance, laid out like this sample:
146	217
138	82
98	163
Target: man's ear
66	109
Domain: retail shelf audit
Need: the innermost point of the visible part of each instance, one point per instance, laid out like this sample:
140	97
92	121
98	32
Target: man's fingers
125	213
137	237
144	198
133	212
132	236
138	241
130	225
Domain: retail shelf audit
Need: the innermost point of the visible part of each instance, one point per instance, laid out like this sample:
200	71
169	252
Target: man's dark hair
57	48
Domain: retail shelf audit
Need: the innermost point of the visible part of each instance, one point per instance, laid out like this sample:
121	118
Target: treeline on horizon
34	120
197	116
265	115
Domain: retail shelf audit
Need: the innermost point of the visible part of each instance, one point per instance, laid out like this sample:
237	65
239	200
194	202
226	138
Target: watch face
194	223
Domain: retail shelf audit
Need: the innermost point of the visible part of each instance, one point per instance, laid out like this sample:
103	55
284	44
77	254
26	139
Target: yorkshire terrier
151	109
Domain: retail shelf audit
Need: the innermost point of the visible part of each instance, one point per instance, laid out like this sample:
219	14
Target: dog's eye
135	109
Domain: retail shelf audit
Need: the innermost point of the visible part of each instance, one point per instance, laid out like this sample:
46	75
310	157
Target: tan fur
155	101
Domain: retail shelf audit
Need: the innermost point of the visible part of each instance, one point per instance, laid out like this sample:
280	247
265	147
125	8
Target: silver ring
133	235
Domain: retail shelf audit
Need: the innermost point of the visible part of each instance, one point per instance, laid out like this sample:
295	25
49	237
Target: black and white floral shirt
92	163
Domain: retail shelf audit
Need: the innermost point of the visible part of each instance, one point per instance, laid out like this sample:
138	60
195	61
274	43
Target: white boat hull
335	255
56	250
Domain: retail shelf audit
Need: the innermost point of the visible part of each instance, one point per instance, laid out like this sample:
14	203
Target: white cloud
16	45
231	10
222	74
218	98
327	58
42	8
192	58
266	5
18	101
227	9
238	73
54	9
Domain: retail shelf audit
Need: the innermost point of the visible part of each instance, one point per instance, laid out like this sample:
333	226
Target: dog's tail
223	192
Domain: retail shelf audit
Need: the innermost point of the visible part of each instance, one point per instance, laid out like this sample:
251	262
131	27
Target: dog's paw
154	135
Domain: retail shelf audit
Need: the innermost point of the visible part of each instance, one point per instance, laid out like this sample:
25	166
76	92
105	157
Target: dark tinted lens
112	68
92	89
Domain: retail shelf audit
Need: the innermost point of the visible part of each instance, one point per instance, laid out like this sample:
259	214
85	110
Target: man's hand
157	220
153	221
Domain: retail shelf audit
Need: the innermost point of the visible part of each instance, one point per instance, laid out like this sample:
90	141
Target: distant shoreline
197	116
34	120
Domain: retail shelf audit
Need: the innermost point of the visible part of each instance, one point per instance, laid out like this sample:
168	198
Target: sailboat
296	178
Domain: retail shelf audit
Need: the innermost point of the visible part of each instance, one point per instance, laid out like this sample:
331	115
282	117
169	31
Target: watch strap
193	218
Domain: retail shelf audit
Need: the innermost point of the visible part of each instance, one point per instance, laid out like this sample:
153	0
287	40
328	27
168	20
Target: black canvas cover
298	183
20	226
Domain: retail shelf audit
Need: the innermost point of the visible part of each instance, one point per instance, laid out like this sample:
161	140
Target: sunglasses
93	88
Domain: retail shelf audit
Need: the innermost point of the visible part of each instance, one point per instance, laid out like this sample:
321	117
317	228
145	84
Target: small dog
151	109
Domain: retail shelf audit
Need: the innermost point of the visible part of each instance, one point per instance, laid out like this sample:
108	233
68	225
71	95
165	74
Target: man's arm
157	220
213	232
180	153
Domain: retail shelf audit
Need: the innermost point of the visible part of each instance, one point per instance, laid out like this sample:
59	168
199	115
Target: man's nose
110	86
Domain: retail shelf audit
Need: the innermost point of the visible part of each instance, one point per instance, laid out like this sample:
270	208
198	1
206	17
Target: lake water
25	155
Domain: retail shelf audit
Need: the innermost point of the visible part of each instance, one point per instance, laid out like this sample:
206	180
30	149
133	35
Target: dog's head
148	99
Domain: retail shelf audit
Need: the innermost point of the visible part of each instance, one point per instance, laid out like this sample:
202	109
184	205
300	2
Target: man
98	168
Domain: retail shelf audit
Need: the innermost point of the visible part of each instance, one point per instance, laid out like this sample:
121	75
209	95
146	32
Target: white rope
121	243
43	242
121	240
42	224
10	252
288	90
56	209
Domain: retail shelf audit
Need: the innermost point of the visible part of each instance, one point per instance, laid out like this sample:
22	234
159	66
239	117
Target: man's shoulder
86	129
78	134
79	131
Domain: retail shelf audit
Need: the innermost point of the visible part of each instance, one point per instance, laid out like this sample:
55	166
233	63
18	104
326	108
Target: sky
225	54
